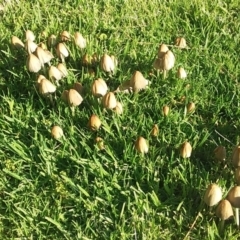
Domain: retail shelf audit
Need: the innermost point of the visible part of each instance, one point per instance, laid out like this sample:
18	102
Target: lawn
70	188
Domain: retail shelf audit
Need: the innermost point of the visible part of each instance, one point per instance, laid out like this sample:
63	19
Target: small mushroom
65	36
99	88
30	35
54	74
33	63
138	82
80	41
30	46
163	48
191	107
62	52
224	211
16	42
181	73
141	145
213	195
43	55
186	150
109	100
154	131
57	132
45	87
62	68
52	41
94	122
234	198
236	156
166	110
107	64
119	108
181	42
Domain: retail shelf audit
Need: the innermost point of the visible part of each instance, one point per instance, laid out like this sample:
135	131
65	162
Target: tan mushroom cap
33	63
29	35
46	87
43	55
65	36
234	196
181	42
56	132
16	42
224	210
62	68
138	82
62	51
186	150
30	46
141	145
162	49
94	122
106	63
99	88
213	195
54	73
74	98
236	156
80	41
109	100
168	60
52	40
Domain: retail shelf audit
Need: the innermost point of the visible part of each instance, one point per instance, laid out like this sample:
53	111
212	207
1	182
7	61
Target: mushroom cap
29	35
56	132
33	63
106	63
46	87
30	46
80	41
224	210
109	100
62	51
191	107
99	88
74	98
155	130
186	150
162	49
168	60
52	40
166	110
141	145
181	42
62	68
119	108
213	195
54	73
65	36
234	196
138	82
94	122
16	42
181	73
220	153
43	55
236	156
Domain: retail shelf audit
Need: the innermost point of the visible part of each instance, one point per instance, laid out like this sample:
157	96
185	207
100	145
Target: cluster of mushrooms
40	55
213	194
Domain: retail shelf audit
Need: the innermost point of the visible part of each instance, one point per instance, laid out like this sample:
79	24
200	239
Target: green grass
68	189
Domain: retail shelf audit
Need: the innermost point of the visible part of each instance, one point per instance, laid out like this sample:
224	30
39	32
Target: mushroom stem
164	74
73	110
237	216
221	226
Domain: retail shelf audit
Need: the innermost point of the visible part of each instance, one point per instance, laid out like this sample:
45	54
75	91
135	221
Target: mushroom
54	74
52	41
30	35
236	156
30	46
220	153
141	145
109	100
155	130
181	42
57	132
138	82
80	41
107	64
99	88
43	55
168	61
213	195
17	43
166	110
62	68
162	49
43	46
65	36
62	52
33	63
74	99
186	150
191	107
181	73
234	198
119	108
94	122
45	87
224	212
